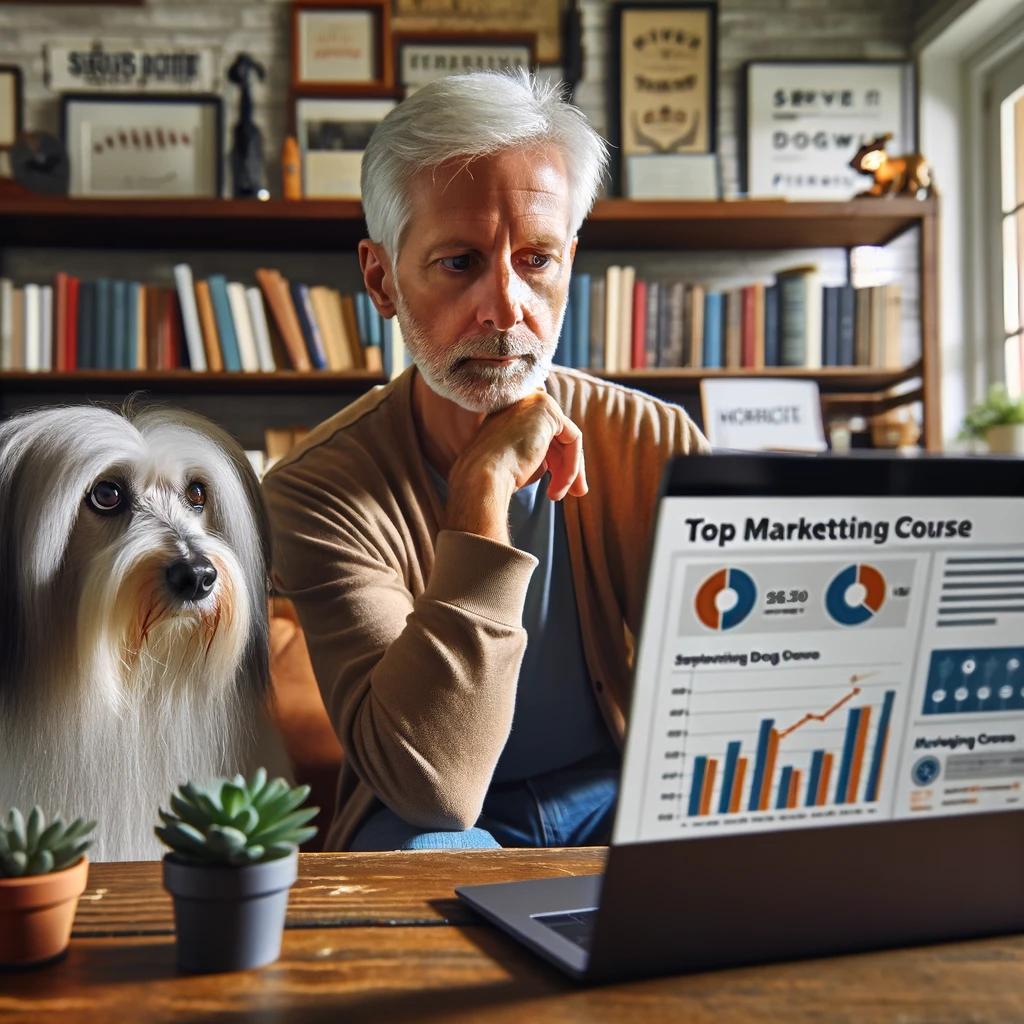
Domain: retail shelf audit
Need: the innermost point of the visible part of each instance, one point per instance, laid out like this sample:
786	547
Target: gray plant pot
227	918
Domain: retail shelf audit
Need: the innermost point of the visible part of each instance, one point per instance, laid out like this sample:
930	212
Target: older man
469	587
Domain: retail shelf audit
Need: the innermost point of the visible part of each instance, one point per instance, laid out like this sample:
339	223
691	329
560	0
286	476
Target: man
469	587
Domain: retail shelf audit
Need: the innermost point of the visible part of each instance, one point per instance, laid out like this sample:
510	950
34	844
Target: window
1011	135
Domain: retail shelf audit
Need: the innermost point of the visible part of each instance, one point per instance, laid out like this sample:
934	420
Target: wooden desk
380	937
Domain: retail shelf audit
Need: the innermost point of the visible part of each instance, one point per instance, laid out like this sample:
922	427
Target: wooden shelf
833	380
188	382
328	225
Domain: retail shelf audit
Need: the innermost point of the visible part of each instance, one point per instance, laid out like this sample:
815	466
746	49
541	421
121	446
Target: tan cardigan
415	632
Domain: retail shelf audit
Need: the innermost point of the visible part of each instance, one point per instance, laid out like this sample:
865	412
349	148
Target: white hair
114	687
467	116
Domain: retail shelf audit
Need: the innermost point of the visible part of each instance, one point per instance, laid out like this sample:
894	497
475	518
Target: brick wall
748	29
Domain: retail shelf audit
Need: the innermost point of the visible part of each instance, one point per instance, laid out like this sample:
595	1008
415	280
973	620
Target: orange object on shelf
291	169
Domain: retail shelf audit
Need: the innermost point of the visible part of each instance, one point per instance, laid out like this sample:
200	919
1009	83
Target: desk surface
380	937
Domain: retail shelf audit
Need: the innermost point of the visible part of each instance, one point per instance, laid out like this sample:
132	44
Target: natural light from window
1012	150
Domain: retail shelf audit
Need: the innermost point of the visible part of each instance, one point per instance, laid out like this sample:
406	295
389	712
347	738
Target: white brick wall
748	29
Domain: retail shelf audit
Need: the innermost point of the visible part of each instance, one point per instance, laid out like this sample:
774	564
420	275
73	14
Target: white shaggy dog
133	615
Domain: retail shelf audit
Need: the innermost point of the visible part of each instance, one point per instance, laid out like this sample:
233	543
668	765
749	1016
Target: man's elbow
440	811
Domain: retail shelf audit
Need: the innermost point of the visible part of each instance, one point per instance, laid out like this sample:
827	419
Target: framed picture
134	146
342	46
804	120
332	135
424	57
10	105
663	74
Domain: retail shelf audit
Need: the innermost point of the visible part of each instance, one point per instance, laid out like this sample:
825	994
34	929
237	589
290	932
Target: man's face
483	275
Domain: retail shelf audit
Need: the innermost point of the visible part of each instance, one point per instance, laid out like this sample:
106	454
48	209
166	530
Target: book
132	347
362	304
747	328
17	328
310	328
597	311
60	320
639	332
6	323
141	354
830	326
612	317
862	328
697	309
32	327
579	296
118	325
847	325
713	329
260	329
686	347
877	334
800	317
672	334
86	356
892	356
190	316
208	327
348	317
374	350
46	327
625	333
102	339
651	324
275	291
733	329
243	328
225	323
771	325
329	321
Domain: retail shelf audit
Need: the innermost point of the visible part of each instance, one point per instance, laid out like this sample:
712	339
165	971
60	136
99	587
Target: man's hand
513	448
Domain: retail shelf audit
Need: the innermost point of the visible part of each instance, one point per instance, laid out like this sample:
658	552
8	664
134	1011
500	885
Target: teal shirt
557	721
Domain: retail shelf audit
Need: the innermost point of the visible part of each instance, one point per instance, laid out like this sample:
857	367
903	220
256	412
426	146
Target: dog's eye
107	497
196	495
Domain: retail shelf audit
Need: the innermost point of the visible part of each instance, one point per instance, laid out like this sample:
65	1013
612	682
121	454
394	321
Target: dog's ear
11	604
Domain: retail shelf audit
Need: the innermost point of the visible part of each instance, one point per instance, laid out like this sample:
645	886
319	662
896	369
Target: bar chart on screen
810	741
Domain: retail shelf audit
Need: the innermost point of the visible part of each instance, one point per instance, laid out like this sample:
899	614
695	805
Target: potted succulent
234	855
43	870
999	420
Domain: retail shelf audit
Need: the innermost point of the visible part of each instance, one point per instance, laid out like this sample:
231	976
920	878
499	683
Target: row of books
204	325
617	323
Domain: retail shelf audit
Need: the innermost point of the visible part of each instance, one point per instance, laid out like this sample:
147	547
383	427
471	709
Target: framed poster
663	62
341	46
10	105
134	146
85	65
804	121
423	57
332	135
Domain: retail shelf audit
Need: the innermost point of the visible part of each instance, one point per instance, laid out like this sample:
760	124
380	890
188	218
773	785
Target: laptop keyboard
577	925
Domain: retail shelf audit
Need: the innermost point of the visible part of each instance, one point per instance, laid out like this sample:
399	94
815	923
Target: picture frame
424	57
12	113
341	46
663	77
332	132
801	122
134	146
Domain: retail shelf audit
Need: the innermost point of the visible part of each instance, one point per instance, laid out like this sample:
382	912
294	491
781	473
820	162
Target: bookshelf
615	224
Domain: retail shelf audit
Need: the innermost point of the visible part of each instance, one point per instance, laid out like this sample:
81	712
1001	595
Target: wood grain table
380	937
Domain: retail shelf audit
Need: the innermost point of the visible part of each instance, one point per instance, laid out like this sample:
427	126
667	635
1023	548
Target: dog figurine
908	175
134	650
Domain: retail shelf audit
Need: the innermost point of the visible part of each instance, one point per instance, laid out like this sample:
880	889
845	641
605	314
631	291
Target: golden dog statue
908	175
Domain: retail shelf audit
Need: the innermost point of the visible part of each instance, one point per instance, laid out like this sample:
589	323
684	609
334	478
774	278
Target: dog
907	175
134	650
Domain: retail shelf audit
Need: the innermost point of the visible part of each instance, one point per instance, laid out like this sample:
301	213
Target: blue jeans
572	806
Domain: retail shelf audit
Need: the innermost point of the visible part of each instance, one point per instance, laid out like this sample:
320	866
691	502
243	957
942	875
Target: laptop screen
826	661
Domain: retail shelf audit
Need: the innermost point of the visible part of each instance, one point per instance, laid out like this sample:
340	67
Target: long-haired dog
133	614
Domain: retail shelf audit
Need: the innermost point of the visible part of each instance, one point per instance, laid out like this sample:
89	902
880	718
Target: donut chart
838	606
706	600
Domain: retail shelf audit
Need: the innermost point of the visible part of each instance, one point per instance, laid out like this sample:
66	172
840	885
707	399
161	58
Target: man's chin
490	396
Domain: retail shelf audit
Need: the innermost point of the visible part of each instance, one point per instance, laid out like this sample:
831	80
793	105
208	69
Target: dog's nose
191	578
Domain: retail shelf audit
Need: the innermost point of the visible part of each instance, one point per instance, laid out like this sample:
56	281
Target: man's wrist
478	499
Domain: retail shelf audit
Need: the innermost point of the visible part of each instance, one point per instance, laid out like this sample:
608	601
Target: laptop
825	749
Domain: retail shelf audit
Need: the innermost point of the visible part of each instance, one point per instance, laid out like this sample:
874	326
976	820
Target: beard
455	372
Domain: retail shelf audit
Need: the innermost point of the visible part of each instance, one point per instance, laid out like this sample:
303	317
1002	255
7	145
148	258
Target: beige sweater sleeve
421	690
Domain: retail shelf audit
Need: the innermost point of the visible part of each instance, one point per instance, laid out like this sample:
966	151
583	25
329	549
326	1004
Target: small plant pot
1006	439
228	918
36	915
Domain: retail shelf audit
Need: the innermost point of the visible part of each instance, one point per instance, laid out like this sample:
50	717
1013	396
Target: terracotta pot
36	914
1006	439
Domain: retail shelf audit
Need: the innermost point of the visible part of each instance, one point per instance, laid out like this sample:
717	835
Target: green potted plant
43	870
999	420
234	855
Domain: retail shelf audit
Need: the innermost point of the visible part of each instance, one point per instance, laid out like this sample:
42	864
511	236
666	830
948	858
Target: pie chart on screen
725	599
855	595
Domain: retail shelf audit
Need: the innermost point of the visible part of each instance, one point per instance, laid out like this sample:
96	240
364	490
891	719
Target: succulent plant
234	821
31	847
